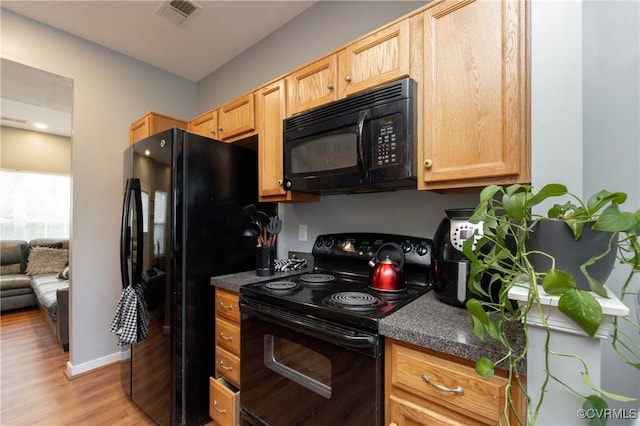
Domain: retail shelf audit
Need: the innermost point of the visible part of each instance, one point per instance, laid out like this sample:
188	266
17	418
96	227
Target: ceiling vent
179	12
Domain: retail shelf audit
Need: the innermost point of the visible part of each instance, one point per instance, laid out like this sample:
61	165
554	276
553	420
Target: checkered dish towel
131	321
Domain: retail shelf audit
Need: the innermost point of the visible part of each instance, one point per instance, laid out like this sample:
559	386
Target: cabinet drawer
228	335
410	370
224	403
228	365
227	305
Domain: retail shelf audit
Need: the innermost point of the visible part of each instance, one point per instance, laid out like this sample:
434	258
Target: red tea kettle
387	274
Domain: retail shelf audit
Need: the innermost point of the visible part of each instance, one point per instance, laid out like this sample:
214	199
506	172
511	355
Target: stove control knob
422	250
329	243
406	246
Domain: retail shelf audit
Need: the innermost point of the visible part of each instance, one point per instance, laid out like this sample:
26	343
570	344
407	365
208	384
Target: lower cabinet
224	393
224	403
423	387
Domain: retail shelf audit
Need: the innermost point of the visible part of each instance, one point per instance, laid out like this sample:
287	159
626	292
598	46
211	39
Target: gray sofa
43	282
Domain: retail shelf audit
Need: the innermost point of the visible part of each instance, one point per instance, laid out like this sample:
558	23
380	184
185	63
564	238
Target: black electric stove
338	288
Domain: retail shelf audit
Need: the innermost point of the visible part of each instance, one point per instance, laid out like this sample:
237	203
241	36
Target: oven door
300	370
329	154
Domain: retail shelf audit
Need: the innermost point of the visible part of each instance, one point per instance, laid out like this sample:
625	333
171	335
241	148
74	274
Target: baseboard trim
73	371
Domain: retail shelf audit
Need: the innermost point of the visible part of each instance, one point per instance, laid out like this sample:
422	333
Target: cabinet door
272	109
312	85
376	59
151	124
205	124
406	413
474	94
237	119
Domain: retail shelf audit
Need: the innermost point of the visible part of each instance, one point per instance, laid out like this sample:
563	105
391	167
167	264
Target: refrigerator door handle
125	235
137	197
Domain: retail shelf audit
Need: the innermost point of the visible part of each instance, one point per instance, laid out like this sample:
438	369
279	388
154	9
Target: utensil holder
265	256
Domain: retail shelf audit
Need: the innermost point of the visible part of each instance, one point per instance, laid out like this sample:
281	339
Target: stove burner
317	278
281	285
354	300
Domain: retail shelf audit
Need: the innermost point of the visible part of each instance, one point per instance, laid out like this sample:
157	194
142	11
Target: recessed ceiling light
41	126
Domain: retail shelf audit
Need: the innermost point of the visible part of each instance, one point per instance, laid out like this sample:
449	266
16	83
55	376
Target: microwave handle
359	135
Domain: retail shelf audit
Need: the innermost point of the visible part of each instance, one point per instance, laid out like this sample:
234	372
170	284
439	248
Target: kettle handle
395	247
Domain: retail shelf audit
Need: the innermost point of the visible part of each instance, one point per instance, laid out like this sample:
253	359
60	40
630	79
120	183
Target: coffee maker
451	266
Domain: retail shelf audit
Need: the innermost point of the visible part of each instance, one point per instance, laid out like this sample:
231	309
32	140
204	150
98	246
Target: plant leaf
548	191
593	404
516	204
558	282
613	220
583	309
587	381
484	367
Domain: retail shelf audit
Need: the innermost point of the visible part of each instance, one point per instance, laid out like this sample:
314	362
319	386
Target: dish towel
131	321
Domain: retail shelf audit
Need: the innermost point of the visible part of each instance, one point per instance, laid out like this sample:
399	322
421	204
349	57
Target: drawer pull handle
458	390
225	367
215	405
225	337
225	306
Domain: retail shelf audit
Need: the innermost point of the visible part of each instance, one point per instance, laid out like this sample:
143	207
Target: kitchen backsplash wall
406	212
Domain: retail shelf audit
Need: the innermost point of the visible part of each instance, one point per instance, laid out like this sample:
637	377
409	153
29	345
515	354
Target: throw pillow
45	260
64	274
25	248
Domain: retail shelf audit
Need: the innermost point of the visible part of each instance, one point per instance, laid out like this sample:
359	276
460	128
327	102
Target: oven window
330	151
299	364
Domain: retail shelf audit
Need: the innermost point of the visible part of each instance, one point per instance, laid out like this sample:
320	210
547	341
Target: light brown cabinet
375	59
236	119
224	389
423	387
475	97
205	124
271	109
152	123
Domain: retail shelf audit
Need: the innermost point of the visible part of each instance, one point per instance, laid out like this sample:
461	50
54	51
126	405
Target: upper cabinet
475	97
271	107
237	119
375	59
152	123
205	124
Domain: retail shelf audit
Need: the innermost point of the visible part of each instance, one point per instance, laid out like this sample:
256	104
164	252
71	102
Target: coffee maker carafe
451	266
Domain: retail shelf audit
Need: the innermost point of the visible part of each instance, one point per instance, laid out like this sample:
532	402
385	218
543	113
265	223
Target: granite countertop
432	324
426	322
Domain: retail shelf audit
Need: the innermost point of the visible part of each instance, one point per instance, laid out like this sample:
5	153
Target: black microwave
363	143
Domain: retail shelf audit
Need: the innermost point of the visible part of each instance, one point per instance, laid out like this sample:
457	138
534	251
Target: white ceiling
220	31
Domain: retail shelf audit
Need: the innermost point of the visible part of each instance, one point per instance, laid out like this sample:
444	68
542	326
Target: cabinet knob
347	78
393	424
280	182
220	128
330	86
428	163
213	132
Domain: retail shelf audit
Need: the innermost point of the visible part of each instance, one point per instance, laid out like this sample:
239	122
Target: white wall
110	91
586	127
34	151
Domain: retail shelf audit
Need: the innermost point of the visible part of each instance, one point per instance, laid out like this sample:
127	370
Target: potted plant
506	255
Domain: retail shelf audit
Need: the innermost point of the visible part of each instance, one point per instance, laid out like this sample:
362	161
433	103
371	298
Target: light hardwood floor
35	391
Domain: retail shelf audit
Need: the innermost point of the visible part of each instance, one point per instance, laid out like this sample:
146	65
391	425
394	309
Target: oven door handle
312	327
359	136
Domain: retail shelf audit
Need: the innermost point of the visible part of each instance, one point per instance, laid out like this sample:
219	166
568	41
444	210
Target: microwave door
334	154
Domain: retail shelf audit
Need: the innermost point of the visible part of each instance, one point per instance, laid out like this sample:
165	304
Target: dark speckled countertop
425	322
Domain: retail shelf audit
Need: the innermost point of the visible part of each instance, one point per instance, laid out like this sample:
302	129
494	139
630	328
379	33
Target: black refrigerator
182	223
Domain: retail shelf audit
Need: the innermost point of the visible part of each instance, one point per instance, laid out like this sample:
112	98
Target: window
34	205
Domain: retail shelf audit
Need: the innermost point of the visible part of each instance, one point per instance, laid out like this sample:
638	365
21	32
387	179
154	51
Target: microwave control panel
387	149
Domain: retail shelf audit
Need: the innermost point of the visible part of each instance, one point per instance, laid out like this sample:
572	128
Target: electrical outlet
302	232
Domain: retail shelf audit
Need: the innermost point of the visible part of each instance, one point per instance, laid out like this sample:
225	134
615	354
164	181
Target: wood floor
35	391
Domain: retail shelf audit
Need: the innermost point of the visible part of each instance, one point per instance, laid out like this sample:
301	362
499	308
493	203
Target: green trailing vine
500	260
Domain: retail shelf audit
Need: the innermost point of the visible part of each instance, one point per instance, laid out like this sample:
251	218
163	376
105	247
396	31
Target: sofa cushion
64	273
44	260
8	282
26	250
10	255
13	268
45	288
